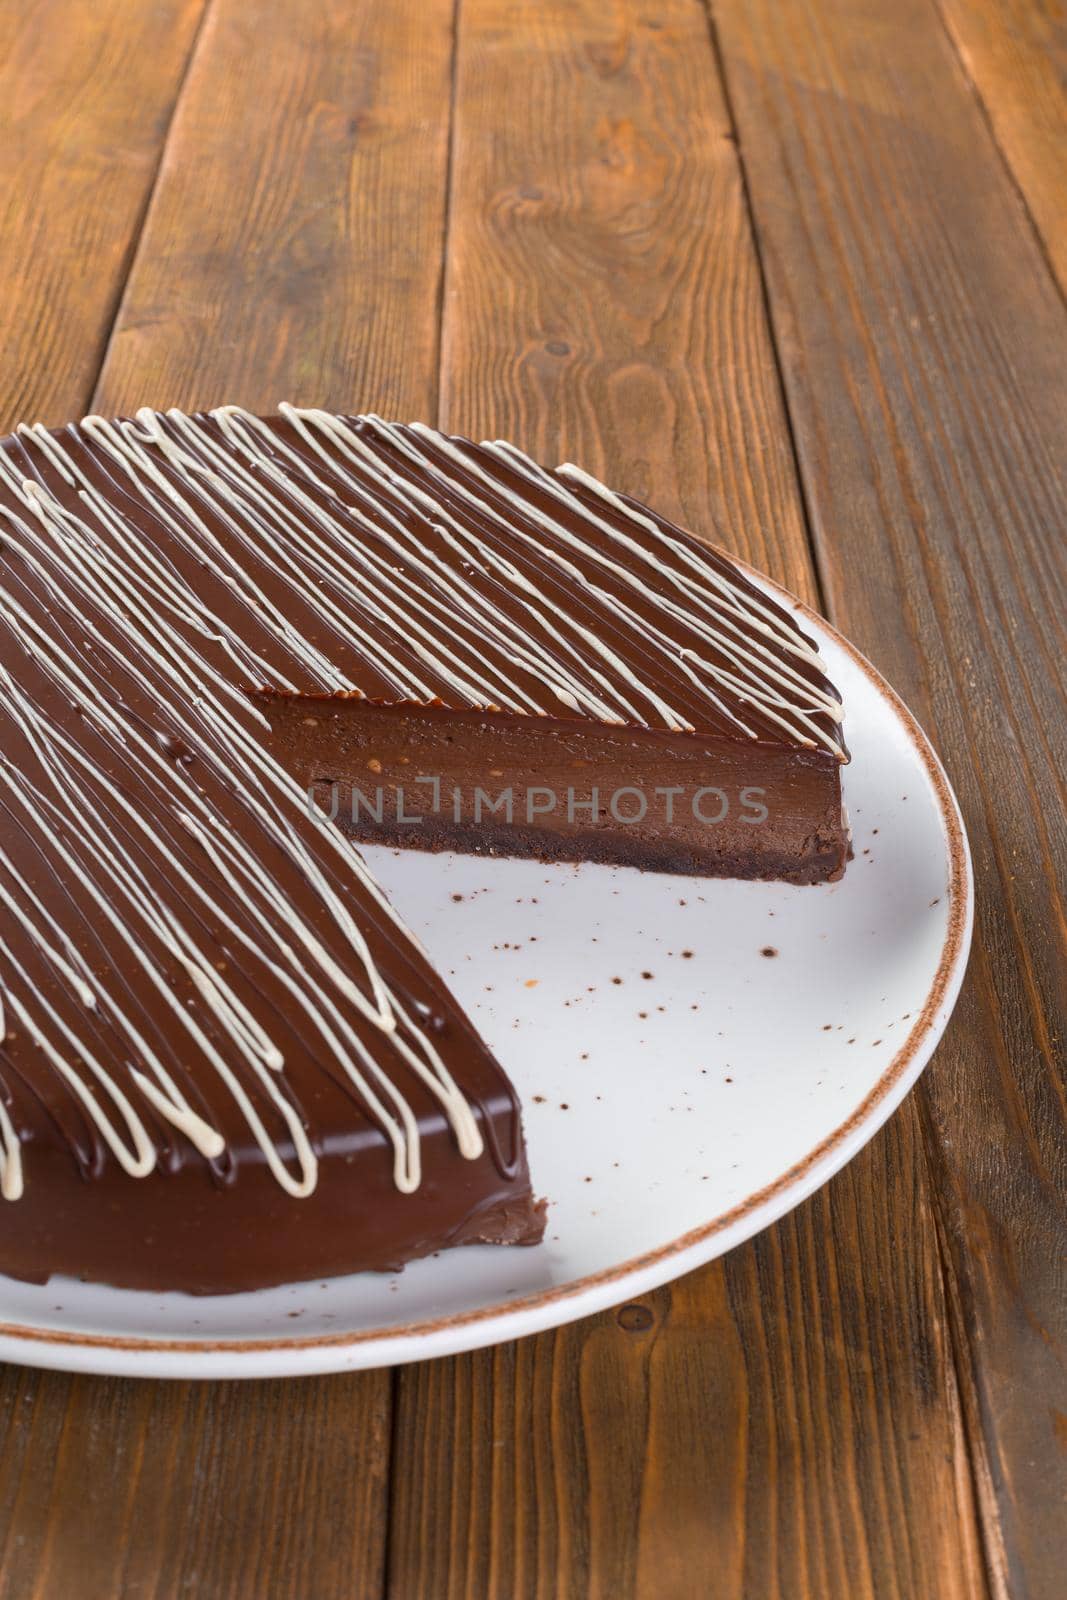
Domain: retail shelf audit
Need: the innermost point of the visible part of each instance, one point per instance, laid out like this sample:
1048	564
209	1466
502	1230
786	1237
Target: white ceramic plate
668	1116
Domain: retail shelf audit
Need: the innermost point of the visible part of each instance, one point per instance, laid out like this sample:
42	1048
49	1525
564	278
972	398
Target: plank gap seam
956	50
392	1448
446	232
141	224
708	8
991	1532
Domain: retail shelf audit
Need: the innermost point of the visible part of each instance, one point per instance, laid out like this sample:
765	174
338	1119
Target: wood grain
86	96
225	1490
1015	53
293	247
923	343
785	1422
602	295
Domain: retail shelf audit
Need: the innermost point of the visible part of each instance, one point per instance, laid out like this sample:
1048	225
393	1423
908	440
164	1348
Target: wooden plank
923	343
293	248
784	1422
165	1489
86	95
767	1426
1015	54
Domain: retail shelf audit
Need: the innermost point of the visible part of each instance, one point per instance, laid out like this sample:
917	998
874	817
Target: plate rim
132	1355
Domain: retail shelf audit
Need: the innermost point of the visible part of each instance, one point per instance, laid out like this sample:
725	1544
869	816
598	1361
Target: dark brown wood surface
1015	52
86	97
292	250
787	268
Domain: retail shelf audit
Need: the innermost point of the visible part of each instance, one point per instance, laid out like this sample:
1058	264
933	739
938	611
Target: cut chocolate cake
220	636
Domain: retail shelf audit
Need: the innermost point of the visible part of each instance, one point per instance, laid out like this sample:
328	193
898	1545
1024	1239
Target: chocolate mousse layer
426	778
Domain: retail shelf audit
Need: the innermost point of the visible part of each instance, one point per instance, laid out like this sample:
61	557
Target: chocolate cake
225	643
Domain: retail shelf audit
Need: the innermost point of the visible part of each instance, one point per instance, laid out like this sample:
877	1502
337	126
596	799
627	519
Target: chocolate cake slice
223	1061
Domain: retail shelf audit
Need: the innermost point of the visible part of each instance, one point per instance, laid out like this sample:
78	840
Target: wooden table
794	270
